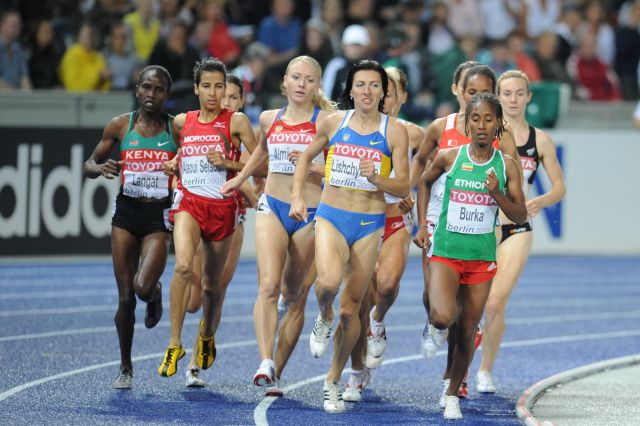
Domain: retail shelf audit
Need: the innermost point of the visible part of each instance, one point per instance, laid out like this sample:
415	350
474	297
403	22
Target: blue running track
59	349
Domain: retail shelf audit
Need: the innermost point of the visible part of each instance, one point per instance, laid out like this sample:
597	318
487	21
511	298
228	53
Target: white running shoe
274	389
333	402
443	394
193	378
376	345
282	308
484	382
353	390
432	339
366	377
265	375
319	338
124	379
452	408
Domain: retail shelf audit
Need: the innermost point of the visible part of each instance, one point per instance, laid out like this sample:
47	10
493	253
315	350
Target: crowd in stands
89	45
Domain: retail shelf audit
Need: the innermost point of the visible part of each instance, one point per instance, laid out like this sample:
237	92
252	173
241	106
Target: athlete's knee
494	308
127	302
144	288
269	289
441	318
349	312
183	272
388	286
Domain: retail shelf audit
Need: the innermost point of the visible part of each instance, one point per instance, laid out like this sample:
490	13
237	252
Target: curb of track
536	391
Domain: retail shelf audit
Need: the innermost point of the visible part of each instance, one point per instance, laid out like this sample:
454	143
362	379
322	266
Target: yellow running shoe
170	364
206	350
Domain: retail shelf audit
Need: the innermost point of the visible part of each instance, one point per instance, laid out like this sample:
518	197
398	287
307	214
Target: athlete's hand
298	210
111	168
407	204
367	168
491	182
421	238
294	156
534	206
170	167
216	158
229	188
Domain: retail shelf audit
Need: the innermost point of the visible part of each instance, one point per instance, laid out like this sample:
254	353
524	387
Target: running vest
530	159
142	175
391	199
197	174
451	138
346	148
467	223
282	138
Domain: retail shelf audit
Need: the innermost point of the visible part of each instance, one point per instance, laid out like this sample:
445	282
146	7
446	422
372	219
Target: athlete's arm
428	144
324	129
398	185
549	159
98	163
170	167
513	203
436	168
508	146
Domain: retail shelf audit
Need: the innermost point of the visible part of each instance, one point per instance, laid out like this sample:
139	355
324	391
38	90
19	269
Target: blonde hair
398	77
319	99
513	74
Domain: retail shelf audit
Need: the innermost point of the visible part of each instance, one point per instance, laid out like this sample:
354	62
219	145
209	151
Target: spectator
542	15
500	57
465	19
314	42
101	14
200	38
502	17
45	57
121	61
332	14
545	56
355	46
13	59
520	58
83	68
440	38
595	81
605	37
358	12
412	12
628	52
280	32
175	54
145	29
221	44
170	12
568	32
251	73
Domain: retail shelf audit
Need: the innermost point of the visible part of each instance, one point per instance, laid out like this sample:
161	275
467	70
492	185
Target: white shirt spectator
464	18
541	19
498	21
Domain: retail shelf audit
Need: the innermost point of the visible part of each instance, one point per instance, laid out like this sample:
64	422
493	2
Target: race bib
471	212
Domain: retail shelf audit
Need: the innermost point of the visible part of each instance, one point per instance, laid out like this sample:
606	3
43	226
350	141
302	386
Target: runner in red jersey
285	247
139	227
200	211
246	196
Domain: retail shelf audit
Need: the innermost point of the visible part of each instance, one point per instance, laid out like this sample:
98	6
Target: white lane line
260	412
13	391
599	316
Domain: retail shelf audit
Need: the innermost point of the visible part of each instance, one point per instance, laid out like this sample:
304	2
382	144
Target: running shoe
353	390
452	408
333	402
478	339
170	364
432	339
124	379
206	349
366	377
265	375
282	308
463	390
274	389
193	378
443	392
484	382
153	313
376	345
319	338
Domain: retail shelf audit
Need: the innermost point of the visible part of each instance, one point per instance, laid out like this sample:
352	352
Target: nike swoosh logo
375	143
163	143
305	131
363	223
